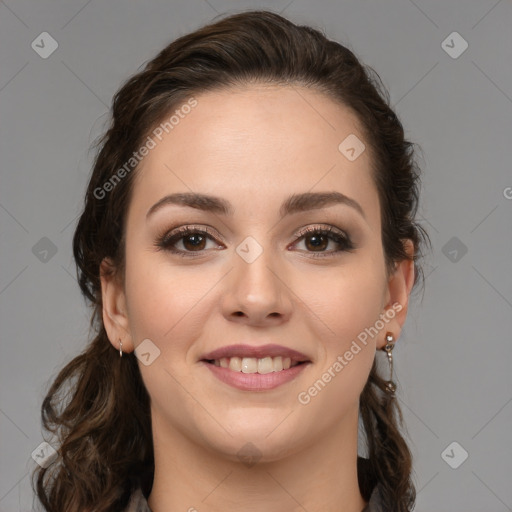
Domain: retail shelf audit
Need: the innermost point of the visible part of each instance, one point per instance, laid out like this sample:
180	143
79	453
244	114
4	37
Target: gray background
453	359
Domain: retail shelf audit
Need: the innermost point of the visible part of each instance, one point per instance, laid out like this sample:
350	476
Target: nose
256	293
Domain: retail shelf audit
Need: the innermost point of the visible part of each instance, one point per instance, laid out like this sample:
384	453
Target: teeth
254	365
249	365
265	365
235	364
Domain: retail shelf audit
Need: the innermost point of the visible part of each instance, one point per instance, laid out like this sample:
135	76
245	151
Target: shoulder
375	503
138	502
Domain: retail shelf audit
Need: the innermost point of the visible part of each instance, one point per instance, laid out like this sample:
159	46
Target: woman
248	242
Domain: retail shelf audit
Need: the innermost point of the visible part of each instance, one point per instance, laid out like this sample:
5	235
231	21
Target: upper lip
259	352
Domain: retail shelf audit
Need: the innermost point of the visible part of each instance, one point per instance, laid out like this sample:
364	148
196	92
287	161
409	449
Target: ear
399	287
115	318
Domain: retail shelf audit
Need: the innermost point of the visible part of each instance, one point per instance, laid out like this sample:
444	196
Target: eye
316	240
192	240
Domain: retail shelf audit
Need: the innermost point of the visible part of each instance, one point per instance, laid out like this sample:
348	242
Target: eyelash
166	241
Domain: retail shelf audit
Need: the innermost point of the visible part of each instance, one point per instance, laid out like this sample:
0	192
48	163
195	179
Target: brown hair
102	420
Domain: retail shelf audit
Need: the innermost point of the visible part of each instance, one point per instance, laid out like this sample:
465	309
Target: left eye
317	240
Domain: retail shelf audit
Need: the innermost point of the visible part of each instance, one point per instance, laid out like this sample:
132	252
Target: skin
254	146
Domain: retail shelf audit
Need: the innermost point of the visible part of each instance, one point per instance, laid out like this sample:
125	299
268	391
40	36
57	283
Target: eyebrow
296	203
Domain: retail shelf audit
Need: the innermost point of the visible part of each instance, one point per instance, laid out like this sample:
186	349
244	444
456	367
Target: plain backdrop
454	357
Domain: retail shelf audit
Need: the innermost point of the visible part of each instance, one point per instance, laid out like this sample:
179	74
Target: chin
257	442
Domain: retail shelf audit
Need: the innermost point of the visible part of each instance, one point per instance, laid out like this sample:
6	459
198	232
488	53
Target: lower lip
255	381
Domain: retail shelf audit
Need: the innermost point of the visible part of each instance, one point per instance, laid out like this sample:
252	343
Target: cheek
348	306
346	301
163	302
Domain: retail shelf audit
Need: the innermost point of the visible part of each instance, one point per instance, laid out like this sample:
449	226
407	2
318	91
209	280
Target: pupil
198	240
320	241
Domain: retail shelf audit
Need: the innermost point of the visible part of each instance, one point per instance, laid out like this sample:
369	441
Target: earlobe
115	317
399	287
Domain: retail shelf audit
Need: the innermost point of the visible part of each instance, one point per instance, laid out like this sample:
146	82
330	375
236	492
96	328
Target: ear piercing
390	385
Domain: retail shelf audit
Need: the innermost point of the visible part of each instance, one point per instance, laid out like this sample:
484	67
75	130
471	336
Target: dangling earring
390	385
120	348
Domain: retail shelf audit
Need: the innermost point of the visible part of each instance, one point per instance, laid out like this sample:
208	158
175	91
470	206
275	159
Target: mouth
262	365
255	368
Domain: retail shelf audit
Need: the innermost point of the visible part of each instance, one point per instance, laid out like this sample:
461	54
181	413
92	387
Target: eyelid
215	234
333	233
321	227
193	228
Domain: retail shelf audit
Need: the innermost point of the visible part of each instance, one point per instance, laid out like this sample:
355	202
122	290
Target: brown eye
193	240
316	240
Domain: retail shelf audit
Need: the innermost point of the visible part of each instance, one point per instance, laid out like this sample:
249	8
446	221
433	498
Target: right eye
192	239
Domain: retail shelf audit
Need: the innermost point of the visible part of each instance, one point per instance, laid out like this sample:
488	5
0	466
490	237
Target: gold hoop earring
390	385
120	348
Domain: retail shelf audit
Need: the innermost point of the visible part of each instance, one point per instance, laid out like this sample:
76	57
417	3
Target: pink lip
261	351
255	381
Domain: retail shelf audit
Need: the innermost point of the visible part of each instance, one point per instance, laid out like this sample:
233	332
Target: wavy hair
98	406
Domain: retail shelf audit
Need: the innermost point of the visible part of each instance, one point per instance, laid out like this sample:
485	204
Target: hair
98	405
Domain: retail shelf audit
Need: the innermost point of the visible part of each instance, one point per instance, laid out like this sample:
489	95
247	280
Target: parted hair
97	406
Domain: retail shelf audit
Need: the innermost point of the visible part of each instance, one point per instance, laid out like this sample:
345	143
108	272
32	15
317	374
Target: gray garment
138	502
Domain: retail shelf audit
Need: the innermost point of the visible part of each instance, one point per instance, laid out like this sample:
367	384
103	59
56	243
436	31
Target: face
255	268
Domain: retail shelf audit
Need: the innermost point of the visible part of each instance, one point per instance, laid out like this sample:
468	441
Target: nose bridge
255	286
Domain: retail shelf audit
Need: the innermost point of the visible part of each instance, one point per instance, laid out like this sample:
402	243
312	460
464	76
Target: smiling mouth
255	365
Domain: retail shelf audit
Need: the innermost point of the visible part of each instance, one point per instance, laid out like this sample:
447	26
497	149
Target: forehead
255	143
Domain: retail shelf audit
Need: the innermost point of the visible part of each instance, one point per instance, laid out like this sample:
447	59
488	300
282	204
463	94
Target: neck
320	477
